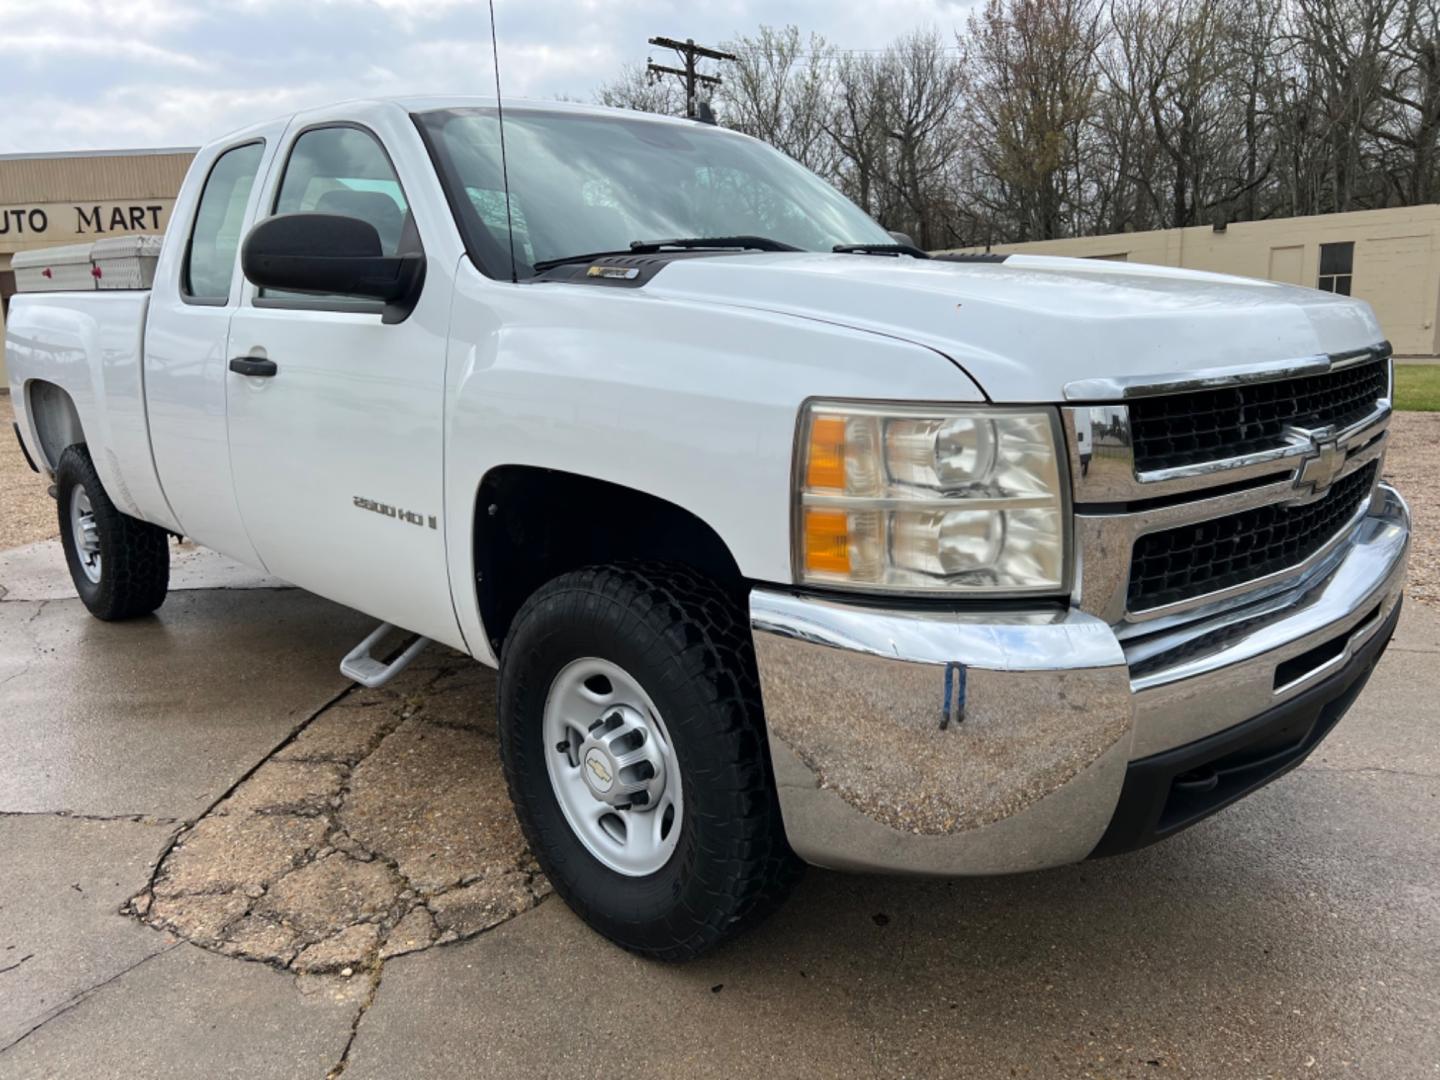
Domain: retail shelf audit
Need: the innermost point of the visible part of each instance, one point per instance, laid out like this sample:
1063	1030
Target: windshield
583	183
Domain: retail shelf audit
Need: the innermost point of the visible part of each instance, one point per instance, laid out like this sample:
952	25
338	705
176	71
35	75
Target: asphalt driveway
222	861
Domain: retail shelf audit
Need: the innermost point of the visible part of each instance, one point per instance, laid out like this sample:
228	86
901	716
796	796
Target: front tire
633	742
120	565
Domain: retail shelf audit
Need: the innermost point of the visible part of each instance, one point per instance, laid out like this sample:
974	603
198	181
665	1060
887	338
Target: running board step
364	669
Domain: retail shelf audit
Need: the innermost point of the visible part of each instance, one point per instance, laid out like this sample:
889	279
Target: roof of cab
426	104
422	103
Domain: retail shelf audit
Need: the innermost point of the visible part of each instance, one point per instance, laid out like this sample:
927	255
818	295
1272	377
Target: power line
824	58
952	49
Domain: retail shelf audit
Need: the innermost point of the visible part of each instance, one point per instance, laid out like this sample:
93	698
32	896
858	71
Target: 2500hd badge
395	512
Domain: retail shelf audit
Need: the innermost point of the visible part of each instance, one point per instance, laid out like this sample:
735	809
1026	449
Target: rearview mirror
332	255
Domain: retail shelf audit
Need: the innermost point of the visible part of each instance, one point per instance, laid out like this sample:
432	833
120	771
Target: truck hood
1024	328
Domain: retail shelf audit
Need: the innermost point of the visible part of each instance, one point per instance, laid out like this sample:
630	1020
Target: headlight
928	498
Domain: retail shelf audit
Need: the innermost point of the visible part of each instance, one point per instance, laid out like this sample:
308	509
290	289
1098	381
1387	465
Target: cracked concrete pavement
381	828
224	861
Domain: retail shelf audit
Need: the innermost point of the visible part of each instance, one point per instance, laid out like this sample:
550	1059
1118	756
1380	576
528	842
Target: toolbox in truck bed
116	262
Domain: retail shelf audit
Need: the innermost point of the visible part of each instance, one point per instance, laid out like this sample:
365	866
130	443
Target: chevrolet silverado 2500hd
790	542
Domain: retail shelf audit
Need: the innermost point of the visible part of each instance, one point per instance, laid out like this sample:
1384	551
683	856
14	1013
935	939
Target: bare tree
1408	125
1346	43
856	127
1256	32
896	127
778	91
636	89
1123	163
1185	58
919	87
1032	84
1047	118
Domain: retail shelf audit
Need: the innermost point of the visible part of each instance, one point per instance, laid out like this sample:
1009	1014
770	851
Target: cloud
88	74
40	49
128	17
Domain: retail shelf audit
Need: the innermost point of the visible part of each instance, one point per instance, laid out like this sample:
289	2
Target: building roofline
158	151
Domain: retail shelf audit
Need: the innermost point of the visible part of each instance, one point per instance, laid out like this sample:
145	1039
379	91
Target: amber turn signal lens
827	541
825	464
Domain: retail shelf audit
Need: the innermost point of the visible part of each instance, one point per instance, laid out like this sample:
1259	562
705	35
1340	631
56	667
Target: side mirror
332	255
902	238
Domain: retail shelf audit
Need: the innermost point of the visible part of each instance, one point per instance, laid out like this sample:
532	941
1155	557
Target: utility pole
689	52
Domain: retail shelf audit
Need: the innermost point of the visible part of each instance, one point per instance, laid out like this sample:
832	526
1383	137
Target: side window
1337	265
210	261
343	170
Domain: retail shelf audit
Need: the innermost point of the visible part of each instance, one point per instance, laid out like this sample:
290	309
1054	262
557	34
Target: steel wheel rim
593	714
86	533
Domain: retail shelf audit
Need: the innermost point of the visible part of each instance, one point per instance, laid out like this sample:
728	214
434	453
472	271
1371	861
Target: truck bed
90	345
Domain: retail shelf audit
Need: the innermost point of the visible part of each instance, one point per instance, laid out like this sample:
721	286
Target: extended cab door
337	454
197	290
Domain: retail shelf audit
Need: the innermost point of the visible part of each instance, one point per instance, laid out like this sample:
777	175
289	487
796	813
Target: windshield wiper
550	264
650	247
752	243
880	249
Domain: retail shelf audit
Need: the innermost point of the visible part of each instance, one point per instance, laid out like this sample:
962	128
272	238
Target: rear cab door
338	456
197	290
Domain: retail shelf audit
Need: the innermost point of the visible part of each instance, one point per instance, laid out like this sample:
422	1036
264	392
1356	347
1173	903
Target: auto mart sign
50	223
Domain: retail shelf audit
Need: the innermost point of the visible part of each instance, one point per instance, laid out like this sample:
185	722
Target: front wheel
120	565
634	747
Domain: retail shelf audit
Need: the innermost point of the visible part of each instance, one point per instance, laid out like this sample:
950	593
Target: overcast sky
104	74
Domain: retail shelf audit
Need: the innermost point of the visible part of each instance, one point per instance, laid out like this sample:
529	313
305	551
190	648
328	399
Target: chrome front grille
1206	556
1175	430
1174	528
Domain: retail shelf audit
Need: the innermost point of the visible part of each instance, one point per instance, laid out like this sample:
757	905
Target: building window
1337	266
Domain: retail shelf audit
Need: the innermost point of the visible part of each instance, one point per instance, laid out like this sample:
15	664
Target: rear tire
683	690
120	565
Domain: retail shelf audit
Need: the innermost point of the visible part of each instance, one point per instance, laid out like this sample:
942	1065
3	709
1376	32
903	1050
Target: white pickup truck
790	542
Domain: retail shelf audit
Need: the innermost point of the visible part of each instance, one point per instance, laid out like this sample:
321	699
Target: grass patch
1417	387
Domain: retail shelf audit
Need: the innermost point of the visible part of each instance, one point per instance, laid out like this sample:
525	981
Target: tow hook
1198	780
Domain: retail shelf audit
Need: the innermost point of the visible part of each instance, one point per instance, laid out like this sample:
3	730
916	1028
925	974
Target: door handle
250	365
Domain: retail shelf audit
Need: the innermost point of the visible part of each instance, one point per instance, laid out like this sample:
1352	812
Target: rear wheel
634	747
120	565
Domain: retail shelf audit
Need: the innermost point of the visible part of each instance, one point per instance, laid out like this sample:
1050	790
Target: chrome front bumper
984	742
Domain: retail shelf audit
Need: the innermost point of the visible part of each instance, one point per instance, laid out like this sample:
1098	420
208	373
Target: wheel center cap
599	771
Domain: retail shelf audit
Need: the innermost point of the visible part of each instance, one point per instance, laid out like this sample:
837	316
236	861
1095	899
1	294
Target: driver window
343	170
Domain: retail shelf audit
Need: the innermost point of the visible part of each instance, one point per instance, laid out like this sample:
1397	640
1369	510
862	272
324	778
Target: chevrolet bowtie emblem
1322	463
